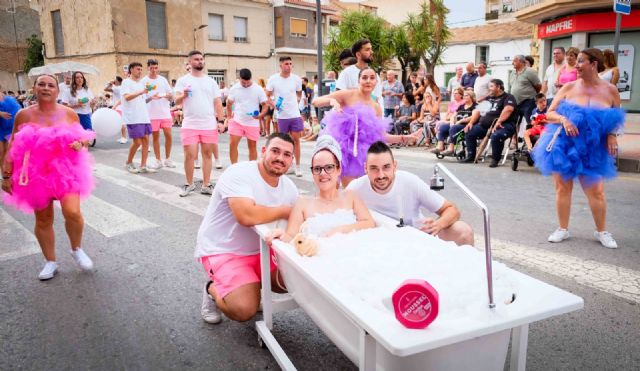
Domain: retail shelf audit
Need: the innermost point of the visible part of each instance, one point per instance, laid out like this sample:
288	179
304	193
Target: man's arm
248	213
504	116
448	214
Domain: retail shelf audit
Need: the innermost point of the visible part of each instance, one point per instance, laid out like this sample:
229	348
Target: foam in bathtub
415	303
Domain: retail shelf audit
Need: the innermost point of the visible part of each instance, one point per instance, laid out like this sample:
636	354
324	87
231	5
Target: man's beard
367	60
199	68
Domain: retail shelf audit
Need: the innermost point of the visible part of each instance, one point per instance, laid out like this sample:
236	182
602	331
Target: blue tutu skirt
355	129
585	155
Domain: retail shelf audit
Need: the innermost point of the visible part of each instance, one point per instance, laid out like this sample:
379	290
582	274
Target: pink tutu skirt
46	168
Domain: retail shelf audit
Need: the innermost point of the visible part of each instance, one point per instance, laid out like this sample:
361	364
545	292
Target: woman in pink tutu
47	160
355	123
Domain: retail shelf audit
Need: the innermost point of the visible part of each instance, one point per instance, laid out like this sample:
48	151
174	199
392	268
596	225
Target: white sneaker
186	189
50	269
606	239
132	168
83	260
207	190
196	164
559	235
218	164
147	170
155	164
122	140
298	171
169	163
209	310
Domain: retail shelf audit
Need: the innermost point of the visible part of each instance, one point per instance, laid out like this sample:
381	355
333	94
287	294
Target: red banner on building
585	23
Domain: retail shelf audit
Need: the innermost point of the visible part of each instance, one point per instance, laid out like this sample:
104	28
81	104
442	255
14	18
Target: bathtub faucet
437	184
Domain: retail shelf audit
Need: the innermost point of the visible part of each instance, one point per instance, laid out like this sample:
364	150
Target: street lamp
194	33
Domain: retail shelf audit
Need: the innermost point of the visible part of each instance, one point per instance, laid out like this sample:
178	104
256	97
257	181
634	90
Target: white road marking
614	280
110	220
16	241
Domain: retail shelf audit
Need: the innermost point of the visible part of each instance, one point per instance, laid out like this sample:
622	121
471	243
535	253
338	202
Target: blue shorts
138	130
294	125
85	121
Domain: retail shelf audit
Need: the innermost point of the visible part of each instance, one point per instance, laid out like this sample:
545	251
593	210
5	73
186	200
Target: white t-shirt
245	102
63	87
198	109
348	79
117	93
220	232
287	88
67	98
159	108
550	77
407	196
481	86
134	111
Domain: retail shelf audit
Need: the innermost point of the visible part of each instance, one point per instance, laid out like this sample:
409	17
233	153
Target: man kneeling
247	194
396	193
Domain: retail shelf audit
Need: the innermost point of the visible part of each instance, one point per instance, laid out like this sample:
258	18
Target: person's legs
475	133
459	232
267	125
563	200
527	139
207	162
73	220
3	152
190	152
144	152
44	232
155	133
234	140
135	144
168	142
597	203
443	133
497	142
253	152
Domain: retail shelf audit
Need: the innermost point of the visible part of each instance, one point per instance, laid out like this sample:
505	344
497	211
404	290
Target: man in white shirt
224	93
247	194
246	106
65	86
115	87
481	85
551	74
400	194
348	78
286	89
159	109
199	96
135	115
455	81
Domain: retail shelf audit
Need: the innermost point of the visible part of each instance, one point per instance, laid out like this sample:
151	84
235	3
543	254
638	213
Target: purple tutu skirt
585	155
355	129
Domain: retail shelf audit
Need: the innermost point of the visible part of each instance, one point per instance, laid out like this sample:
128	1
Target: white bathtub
373	339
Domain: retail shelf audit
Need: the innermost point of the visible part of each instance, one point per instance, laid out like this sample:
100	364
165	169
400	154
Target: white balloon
106	122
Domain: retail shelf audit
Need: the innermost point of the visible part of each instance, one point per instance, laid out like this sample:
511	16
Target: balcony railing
517	5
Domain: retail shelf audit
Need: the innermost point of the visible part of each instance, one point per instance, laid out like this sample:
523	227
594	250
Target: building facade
586	24
18	21
494	44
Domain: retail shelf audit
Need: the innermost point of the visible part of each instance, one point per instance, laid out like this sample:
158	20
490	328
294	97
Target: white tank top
606	75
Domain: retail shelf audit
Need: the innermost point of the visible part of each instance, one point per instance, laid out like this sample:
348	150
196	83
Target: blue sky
465	10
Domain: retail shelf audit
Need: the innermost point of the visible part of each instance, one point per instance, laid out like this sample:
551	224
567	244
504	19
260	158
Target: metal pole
616	39
319	51
487	230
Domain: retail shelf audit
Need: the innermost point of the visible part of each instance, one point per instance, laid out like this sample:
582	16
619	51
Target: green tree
34	53
358	25
427	32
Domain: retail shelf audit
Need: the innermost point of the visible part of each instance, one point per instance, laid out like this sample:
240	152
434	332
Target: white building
495	44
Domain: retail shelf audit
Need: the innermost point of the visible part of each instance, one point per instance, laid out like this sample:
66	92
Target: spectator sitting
452	107
538	119
405	114
429	116
465	114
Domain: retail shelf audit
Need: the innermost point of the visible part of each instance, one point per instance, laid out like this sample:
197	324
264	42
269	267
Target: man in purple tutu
286	89
400	194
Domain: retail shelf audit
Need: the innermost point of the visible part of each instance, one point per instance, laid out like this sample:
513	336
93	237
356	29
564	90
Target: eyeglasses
329	169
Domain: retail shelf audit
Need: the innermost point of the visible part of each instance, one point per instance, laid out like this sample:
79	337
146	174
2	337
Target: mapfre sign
586	22
558	27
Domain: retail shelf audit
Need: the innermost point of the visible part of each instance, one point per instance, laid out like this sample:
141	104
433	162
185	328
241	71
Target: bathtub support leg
519	339
367	352
267	303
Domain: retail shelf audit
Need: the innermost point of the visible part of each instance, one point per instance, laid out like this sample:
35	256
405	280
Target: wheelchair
521	152
459	148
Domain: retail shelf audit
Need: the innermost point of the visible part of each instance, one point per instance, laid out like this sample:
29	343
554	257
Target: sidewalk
629	145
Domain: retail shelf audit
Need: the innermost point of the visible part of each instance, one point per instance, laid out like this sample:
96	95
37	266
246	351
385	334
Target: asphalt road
140	308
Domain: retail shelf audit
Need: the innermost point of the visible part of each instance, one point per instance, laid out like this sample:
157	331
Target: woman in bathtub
332	210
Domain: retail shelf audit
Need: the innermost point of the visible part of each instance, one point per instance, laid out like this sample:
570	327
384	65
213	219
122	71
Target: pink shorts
230	271
239	130
195	136
161	123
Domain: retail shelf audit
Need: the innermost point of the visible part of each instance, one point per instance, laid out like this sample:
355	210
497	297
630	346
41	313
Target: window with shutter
58	36
216	27
279	27
240	29
298	27
156	25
